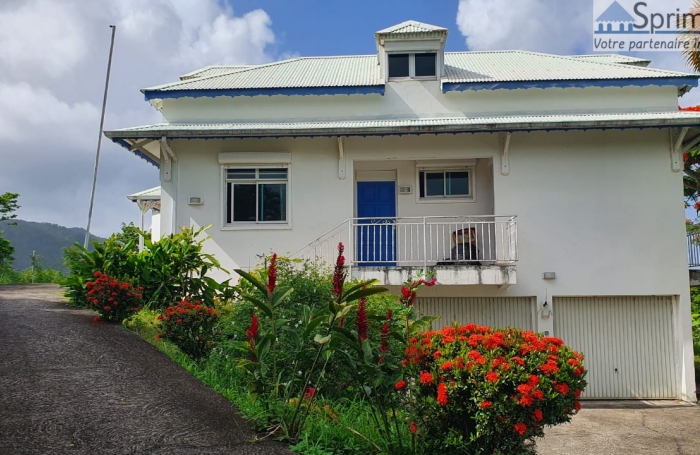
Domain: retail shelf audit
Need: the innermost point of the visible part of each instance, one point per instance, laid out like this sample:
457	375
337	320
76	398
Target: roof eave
409	129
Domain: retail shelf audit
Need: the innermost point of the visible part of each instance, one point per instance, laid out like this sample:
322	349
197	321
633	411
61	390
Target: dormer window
414	65
411	51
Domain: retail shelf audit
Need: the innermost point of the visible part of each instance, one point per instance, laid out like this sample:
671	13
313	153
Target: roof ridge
641	68
265	65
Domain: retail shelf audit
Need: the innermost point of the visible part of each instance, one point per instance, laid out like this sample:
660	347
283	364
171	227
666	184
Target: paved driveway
627	427
72	386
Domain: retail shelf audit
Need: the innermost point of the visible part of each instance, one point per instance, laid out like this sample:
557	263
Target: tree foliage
8	207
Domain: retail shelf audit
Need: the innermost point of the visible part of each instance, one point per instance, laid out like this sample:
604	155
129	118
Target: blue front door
376	233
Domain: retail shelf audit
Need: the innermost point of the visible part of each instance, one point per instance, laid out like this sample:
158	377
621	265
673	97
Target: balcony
463	250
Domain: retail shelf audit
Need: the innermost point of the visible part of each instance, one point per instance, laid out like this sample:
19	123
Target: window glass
434	184
456	183
271	202
244	196
425	64
398	65
240	174
273	174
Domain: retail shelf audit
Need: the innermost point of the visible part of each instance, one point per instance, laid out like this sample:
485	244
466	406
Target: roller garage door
628	343
492	311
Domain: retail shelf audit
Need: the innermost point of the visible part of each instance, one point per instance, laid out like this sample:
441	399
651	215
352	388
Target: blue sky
303	26
53	55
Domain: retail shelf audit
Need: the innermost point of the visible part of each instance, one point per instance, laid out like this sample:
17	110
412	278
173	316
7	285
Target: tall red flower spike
361	320
384	338
251	335
339	272
272	275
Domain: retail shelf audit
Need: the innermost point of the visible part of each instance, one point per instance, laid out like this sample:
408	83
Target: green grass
11	276
333	428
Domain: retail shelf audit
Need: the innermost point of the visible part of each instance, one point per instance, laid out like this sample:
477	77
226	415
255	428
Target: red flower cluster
384	338
361	320
527	379
339	272
272	275
190	325
409	291
251	335
113	300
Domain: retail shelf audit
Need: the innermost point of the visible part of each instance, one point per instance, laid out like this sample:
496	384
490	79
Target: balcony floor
493	275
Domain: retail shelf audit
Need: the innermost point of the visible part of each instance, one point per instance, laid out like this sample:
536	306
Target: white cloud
558	27
53	55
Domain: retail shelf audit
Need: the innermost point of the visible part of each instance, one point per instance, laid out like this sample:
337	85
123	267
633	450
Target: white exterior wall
601	209
409	99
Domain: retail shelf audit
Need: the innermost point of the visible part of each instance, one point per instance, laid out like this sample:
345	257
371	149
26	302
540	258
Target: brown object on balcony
464	246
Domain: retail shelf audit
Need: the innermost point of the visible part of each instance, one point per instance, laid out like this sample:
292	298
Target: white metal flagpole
99	139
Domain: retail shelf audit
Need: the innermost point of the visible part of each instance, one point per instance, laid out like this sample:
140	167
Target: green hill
48	240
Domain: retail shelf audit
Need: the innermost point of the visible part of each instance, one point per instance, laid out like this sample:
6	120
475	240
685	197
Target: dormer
411	51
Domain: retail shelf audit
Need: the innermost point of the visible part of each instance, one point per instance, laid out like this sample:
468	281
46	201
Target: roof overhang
684	84
143	140
292	91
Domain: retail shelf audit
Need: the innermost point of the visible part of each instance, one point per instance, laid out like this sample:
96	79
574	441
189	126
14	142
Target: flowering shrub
191	326
479	390
113	300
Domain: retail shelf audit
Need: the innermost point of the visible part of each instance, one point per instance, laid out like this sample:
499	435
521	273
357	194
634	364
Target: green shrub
191	326
481	390
113	300
111	257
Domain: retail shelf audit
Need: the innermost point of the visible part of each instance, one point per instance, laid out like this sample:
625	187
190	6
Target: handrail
419	241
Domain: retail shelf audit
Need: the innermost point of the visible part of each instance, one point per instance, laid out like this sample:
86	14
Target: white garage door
628	343
491	311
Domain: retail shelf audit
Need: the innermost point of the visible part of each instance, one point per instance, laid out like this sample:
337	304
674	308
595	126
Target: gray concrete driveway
627	427
69	385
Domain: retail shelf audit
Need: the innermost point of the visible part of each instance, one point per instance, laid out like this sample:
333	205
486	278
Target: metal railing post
425	245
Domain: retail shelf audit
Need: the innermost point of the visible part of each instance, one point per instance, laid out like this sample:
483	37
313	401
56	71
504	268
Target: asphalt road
69	385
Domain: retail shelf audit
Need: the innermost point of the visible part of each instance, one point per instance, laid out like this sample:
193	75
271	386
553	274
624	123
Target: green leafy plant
481	390
113	300
191	326
267	329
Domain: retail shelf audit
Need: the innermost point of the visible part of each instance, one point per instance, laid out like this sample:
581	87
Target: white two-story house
544	191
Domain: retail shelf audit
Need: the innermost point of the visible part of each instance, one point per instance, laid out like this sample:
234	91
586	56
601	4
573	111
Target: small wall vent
196	200
406	189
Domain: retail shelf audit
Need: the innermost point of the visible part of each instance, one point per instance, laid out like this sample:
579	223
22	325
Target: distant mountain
48	240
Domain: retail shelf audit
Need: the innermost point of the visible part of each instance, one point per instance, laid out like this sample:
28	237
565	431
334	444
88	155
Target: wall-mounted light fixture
549	275
546	311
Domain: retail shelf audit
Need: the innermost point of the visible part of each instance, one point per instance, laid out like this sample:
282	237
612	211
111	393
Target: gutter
185	133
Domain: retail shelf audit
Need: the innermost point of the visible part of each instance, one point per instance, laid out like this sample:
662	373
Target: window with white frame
445	183
413	65
255	195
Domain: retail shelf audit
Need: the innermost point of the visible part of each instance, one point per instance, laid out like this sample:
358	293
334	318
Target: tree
8	205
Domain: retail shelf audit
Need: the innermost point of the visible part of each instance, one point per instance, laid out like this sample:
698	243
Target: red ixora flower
339	272
400	385
159	336
492	376
272	275
309	393
413	428
426	378
520	428
485	404
442	394
96	319
537	415
361	320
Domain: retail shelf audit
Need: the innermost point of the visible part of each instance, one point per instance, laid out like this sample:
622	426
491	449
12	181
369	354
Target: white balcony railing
419	241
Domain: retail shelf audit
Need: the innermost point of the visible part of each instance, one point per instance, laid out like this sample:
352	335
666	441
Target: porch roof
144	140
